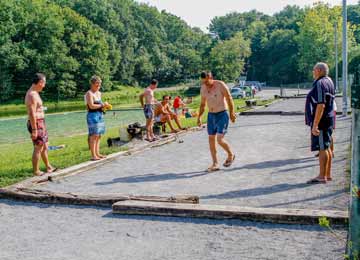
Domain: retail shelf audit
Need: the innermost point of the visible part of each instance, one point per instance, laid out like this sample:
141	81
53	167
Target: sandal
39	173
228	162
149	140
95	159
213	168
53	170
316	181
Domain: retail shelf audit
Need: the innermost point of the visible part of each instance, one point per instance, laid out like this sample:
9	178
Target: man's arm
31	107
141	97
318	114
229	101
202	109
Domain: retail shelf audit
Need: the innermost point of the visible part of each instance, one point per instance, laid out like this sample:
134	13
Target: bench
251	102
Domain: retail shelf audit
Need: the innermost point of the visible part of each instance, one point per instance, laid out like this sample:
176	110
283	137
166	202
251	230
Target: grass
15	160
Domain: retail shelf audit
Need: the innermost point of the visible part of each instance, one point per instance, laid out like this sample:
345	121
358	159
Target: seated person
163	114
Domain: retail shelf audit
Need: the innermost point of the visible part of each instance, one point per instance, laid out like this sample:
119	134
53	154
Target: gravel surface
42	232
272	166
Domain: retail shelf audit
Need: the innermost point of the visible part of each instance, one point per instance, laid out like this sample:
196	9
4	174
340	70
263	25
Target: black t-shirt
322	92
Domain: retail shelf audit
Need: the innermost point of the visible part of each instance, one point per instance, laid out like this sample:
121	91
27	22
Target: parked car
256	84
247	89
238	92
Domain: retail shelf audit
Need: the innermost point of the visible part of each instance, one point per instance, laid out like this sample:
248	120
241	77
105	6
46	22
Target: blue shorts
149	111
217	123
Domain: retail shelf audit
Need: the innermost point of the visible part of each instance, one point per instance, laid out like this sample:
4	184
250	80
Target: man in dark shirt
319	115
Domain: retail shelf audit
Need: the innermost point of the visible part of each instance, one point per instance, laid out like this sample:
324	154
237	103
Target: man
36	124
163	114
319	115
214	93
148	95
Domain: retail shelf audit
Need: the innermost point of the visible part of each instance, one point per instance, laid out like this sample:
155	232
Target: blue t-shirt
322	92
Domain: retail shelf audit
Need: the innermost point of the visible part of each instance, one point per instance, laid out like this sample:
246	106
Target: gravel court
48	232
272	166
270	170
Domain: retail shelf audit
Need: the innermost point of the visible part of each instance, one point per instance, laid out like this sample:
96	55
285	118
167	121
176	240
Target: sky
198	13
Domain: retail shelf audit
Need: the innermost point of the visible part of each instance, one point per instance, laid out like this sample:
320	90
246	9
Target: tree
228	57
316	37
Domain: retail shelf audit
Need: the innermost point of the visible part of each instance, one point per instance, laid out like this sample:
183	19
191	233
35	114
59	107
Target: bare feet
39	173
95	159
101	156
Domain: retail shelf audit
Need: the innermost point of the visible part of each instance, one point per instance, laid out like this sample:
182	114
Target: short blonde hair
95	79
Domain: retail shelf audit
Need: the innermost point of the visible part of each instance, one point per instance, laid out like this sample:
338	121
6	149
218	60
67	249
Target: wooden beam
33	195
275	215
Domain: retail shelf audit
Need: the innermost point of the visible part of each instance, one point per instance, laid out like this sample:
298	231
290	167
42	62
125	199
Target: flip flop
329	179
213	169
316	181
39	174
54	170
228	162
102	156
95	159
149	140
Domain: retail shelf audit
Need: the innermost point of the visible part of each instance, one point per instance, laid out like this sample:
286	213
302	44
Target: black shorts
323	141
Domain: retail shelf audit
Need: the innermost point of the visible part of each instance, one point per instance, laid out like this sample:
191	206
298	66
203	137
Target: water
64	124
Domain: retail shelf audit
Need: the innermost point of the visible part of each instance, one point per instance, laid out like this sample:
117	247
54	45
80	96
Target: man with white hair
319	115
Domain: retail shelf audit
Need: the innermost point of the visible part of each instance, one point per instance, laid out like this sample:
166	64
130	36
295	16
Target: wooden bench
251	102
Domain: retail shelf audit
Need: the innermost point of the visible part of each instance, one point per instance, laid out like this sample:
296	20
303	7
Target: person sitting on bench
163	114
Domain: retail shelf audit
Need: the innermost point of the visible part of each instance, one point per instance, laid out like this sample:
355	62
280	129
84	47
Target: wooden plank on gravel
42	196
275	215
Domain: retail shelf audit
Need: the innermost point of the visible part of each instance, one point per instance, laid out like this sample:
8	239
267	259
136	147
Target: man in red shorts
36	124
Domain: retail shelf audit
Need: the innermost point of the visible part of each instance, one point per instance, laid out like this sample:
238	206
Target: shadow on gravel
325	196
271	164
154	177
253	192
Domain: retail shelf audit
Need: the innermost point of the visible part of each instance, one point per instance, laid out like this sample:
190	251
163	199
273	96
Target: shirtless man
214	93
164	114
150	101
36	124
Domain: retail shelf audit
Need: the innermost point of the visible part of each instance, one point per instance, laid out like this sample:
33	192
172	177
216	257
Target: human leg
213	152
92	144
230	155
36	159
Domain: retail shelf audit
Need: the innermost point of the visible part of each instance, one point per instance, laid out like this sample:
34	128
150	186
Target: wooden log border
272	215
100	200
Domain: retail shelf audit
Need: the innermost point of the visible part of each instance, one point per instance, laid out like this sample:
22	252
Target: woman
95	118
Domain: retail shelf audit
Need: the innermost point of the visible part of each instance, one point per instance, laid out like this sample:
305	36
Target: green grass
15	160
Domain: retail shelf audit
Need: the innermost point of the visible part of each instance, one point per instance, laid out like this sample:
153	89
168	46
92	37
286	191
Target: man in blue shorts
319	115
214	93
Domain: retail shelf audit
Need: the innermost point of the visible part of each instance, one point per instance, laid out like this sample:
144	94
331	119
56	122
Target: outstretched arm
202	109
141	97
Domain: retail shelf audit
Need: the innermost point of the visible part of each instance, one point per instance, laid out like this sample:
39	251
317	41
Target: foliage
228	57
